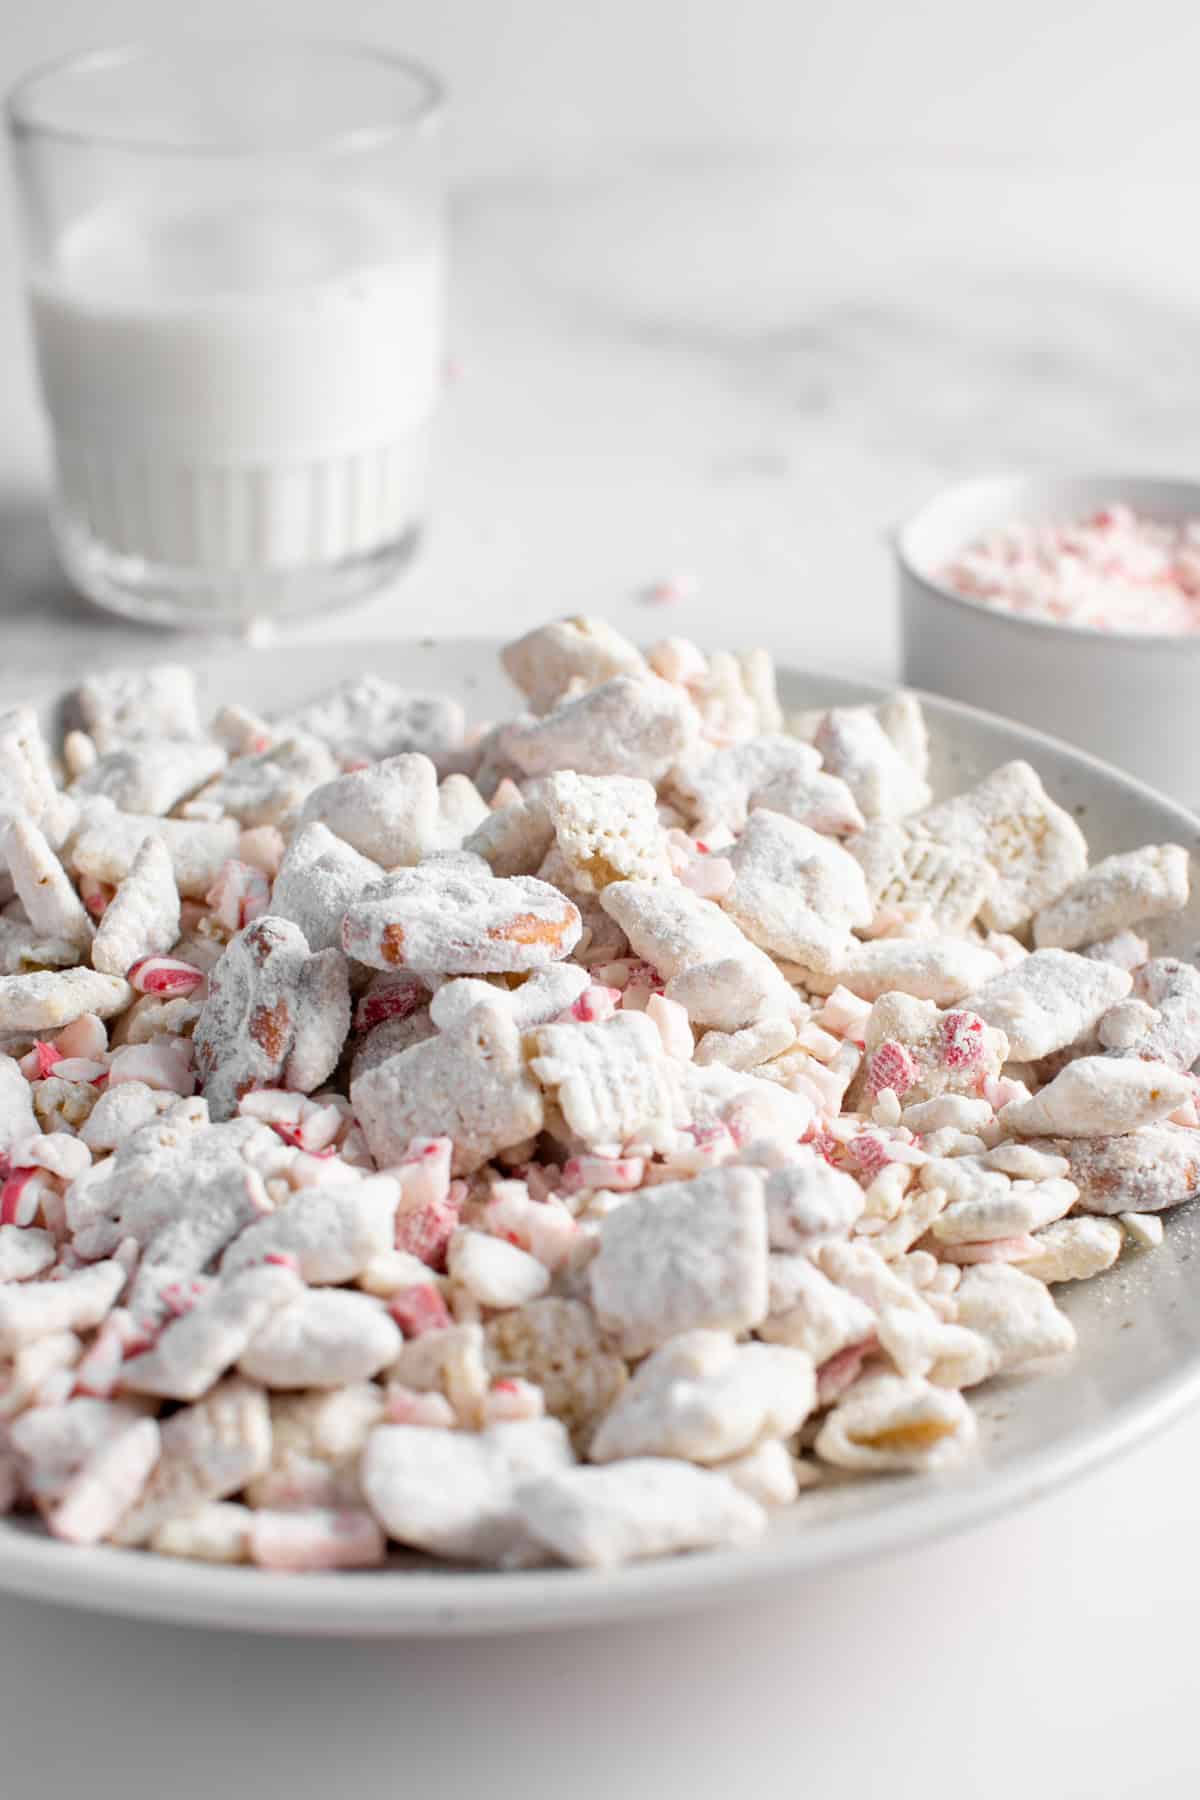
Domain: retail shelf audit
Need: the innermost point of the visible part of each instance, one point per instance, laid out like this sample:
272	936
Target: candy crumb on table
565	1139
1114	571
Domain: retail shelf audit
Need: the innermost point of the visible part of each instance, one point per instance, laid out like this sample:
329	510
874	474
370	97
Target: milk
240	395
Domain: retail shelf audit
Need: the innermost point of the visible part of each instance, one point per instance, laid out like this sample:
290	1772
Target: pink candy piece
513	1398
164	1063
239	894
891	1066
262	847
620	1174
85	1037
594	1005
709	876
95	895
408	1406
164	975
390	997
38	1063
315	1539
21	1196
999	1092
839	1372
1010	1249
420	1309
669	590
179	1297
426	1233
870	1155
77	1068
962	1040
424	1173
99	1369
643	981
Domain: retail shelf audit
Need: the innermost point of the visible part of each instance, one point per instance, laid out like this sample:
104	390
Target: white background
735	286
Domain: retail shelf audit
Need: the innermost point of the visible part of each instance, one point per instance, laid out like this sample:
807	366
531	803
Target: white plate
1137	1365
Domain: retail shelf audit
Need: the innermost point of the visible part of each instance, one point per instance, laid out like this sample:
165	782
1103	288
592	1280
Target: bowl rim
1118	486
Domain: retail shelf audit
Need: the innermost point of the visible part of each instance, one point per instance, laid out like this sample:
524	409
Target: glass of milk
236	275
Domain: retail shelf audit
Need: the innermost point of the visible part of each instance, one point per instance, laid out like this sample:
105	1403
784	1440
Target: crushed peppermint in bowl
1115	570
1071	604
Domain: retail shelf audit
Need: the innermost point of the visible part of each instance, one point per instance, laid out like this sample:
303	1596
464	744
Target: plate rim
399	1602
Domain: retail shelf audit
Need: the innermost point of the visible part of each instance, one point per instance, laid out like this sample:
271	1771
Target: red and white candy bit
390	997
669	590
424	1173
85	1037
596	1004
841	1371
99	1368
643	980
870	1153
891	1066
511	1397
239	894
95	895
420	1309
410	1406
709	876
544	1228
1010	1250
165	1063
426	1232
316	1538
620	1174
179	1297
962	1043
78	1068
164	975
38	1064
262	847
828	1147
1000	1090
21	1196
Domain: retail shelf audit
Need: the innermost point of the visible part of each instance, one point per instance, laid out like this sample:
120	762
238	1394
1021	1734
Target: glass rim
428	102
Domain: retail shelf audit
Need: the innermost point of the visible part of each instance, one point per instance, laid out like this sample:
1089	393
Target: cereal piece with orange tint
1144	1171
897	1422
454	918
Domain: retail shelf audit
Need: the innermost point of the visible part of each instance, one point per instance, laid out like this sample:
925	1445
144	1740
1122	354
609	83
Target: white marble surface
740	369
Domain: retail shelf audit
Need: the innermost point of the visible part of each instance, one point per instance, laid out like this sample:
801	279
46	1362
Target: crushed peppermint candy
1115	571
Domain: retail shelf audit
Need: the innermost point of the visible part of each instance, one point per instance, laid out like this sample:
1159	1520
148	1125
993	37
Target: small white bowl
1132	698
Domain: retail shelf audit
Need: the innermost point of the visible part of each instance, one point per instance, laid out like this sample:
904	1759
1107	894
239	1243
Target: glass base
188	599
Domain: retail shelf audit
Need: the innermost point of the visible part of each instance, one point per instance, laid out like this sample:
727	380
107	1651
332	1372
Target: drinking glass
235	267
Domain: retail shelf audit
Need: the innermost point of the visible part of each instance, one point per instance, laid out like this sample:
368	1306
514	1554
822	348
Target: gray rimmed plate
1136	1368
